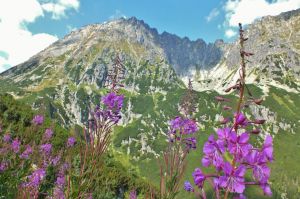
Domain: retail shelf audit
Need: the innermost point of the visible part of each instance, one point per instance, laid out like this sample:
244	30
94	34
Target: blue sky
174	16
29	26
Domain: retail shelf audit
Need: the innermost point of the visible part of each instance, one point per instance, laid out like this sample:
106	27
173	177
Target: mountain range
67	79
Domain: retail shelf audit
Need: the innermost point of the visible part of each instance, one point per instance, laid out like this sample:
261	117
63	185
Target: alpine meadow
120	109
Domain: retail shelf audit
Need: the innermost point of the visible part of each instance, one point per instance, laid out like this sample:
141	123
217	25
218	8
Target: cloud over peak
246	11
18	44
59	8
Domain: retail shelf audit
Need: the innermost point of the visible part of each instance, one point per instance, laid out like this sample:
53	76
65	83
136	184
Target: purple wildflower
3	166
267	148
175	123
71	142
55	160
188	186
190	143
199	177
7	138
224	134
266	189
48	134
36	178
213	151
26	153
183	126
233	179
240	119
256	161
240	196
239	145
38	120
89	196
60	180
133	194
189	126
235	147
65	167
46	148
15	145
113	101
58	193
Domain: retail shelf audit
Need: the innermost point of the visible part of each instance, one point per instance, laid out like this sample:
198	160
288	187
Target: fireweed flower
233	180
35	179
113	101
180	128
46	148
71	141
240	196
267	148
59	185
3	166
15	145
190	143
38	120
183	126
55	160
58	193
188	186
224	134
26	153
7	138
266	189
60	180
213	151
133	195
111	111
48	134
235	148
238	145
199	177
240	119
261	172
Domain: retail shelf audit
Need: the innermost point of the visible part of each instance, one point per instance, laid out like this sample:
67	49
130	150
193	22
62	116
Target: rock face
184	54
71	71
275	41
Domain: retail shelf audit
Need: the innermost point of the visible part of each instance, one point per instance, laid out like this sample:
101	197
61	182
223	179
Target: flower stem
242	88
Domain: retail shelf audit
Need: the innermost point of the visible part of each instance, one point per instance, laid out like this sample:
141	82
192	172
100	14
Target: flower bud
255	131
247	53
259	121
221	99
228	90
258	101
237	87
226	108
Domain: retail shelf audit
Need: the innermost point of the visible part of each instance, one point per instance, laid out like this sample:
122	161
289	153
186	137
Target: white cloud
59	8
17	43
70	3
229	33
246	11
212	15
